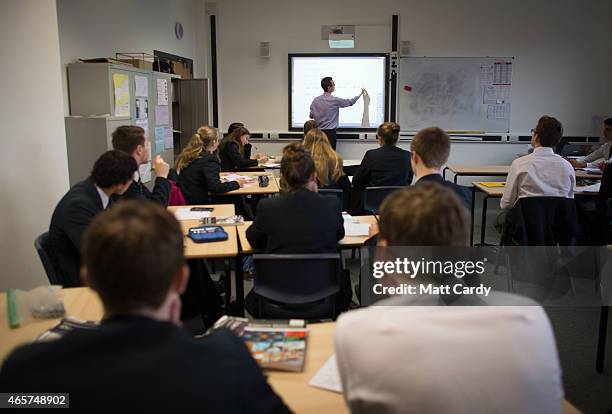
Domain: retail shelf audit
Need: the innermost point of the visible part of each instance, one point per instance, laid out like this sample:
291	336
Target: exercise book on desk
328	376
186	214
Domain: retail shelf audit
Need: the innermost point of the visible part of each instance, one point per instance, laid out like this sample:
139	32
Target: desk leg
239	282
227	282
601	340
484	220
473	213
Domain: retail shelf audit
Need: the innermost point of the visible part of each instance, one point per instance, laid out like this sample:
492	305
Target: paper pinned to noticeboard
162	92
141	86
121	88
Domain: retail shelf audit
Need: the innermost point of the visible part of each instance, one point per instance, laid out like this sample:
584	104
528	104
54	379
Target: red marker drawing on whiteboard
408	88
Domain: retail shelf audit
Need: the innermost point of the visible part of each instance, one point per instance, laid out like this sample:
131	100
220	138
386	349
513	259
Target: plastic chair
374	196
336	192
297	285
42	247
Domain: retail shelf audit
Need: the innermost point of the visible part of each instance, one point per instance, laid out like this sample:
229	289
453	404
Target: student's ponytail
204	137
388	132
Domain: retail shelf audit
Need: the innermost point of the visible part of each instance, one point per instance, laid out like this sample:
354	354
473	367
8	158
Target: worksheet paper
356	229
588	188
327	377
186	214
141	84
162	92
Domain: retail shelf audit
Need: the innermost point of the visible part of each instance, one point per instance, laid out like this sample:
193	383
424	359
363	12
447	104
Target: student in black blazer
430	151
388	165
198	167
300	220
132	139
112	174
235	151
139	358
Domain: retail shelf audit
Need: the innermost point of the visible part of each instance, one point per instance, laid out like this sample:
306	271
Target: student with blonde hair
328	163
198	166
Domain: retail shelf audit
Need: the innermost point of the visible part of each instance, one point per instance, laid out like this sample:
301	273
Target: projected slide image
350	74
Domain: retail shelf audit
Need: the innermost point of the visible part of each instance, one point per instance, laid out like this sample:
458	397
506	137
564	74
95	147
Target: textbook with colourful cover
279	345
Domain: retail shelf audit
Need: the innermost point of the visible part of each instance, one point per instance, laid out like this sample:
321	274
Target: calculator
206	234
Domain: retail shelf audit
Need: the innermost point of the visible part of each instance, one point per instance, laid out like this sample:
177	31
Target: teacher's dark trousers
331	135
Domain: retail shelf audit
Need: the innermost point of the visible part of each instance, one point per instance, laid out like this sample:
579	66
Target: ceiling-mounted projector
339	40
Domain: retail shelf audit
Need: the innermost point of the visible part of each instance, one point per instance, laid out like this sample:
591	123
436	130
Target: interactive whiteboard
350	72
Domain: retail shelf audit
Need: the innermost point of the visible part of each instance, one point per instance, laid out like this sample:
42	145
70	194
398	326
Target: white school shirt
103	197
601	153
448	359
539	174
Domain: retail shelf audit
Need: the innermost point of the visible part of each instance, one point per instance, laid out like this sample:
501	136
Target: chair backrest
296	278
42	247
336	192
541	221
374	196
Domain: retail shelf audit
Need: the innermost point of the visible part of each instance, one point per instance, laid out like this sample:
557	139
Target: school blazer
387	165
201	177
144	365
299	221
464	193
70	218
231	160
138	191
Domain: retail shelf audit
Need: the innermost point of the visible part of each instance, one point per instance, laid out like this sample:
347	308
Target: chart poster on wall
457	94
162	92
142	108
168	138
121	88
162	115
144	124
159	139
351	73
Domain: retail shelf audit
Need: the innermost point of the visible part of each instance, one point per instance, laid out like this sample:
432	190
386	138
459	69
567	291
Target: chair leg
601	338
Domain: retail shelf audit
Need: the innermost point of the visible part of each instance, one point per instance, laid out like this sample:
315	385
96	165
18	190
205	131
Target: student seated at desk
235	151
111	175
402	358
430	149
541	173
132	139
310	124
603	153
328	163
198	167
388	165
139	358
300	220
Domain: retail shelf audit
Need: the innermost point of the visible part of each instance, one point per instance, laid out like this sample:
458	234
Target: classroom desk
497	192
254	188
498	171
227	249
293	387
348	242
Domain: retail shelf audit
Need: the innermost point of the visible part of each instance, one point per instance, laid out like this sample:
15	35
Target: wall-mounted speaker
404	48
264	50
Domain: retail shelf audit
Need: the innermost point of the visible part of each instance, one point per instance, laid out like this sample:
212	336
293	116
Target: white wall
562	50
95	28
33	164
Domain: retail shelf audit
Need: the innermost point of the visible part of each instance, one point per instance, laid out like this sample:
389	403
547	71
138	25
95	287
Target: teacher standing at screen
325	109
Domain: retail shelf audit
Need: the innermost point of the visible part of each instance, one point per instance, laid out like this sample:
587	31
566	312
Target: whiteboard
456	94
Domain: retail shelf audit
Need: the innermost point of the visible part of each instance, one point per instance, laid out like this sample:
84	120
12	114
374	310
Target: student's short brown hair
308	125
132	253
128	137
432	145
549	131
389	133
297	166
326	83
424	215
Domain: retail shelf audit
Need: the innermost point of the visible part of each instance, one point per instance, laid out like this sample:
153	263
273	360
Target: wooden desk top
254	188
346	243
227	248
497	192
293	387
501	171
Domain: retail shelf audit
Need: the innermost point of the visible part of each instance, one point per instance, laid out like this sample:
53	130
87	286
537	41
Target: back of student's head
424	215
326	83
328	164
297	167
388	132
232	127
432	145
308	125
132	254
204	137
128	137
113	167
549	131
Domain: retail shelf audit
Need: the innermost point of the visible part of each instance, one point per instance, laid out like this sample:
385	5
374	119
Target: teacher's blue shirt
325	109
